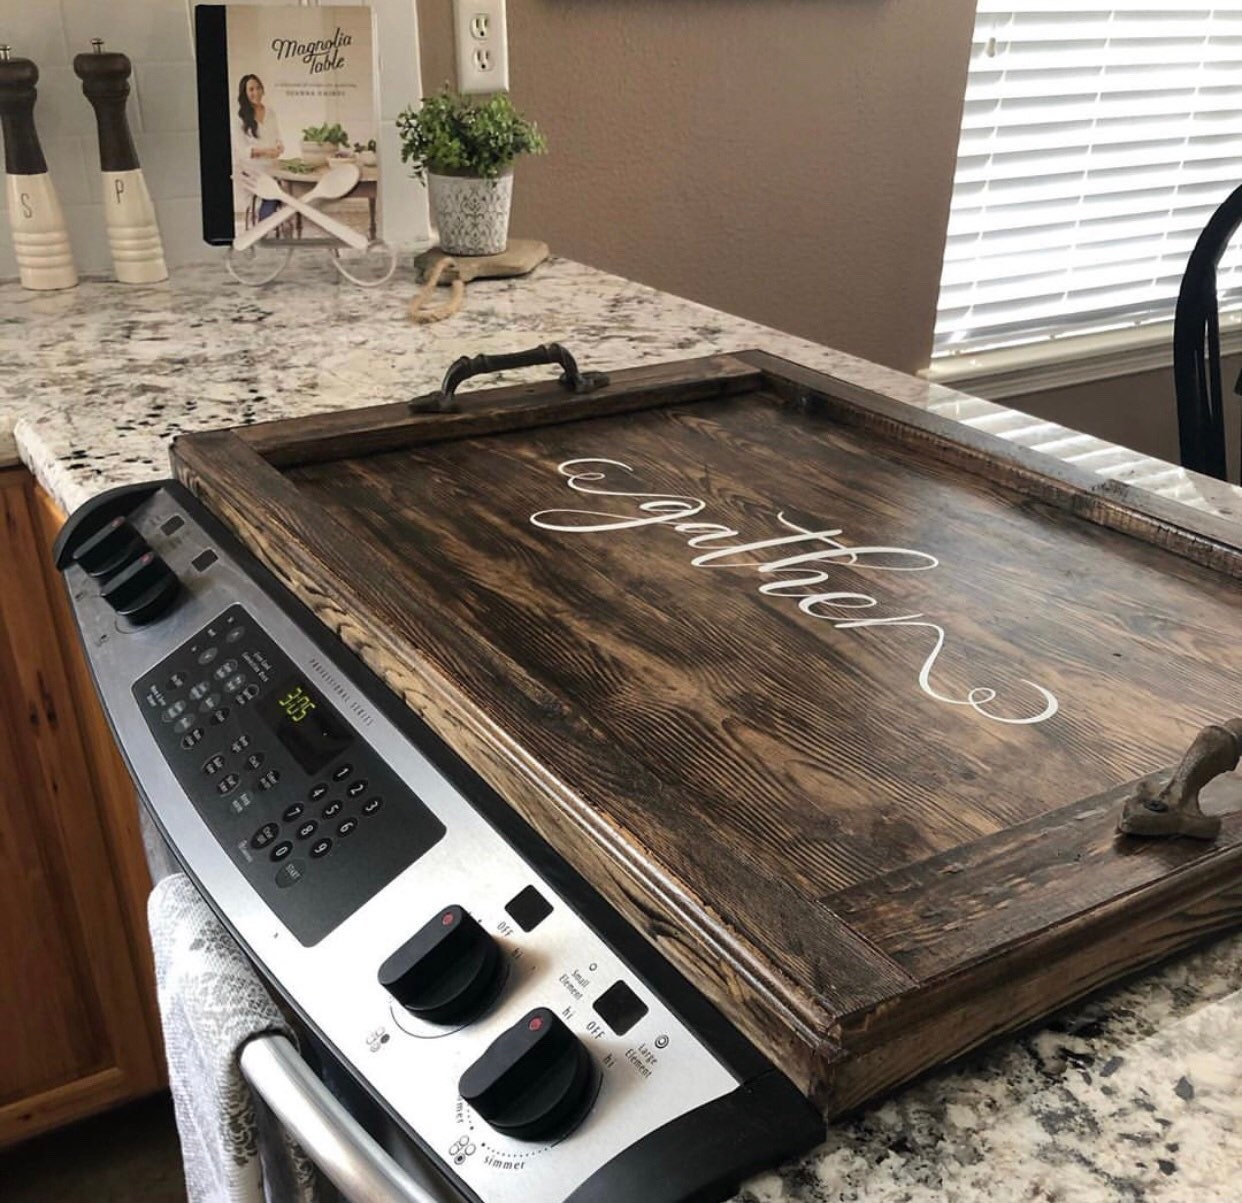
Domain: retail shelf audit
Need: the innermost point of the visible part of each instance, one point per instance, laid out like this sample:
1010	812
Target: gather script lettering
805	576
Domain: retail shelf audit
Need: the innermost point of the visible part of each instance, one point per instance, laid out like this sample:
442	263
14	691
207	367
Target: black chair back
1196	347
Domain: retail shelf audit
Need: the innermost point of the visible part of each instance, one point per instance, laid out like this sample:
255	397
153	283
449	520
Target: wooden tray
817	788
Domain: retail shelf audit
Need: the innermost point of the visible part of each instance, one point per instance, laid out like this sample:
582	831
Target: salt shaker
133	234
40	240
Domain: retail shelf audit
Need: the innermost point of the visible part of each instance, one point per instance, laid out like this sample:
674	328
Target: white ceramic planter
471	214
315	154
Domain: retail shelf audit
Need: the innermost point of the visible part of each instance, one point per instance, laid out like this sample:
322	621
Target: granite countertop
1134	1095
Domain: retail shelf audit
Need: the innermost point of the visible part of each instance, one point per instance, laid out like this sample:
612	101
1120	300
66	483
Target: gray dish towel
211	1003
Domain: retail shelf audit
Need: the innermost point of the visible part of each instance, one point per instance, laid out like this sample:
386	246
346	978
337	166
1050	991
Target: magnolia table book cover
301	101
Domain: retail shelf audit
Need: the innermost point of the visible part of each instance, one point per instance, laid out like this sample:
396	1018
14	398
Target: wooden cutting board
837	700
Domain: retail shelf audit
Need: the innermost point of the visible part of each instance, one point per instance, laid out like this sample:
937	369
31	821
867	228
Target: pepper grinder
40	240
134	236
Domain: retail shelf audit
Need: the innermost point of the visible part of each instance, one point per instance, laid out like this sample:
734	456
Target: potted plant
366	154
464	149
320	142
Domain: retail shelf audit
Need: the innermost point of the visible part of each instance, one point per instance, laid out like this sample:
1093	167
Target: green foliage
331	134
453	135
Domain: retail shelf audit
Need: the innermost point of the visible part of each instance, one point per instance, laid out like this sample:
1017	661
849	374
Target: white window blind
1096	142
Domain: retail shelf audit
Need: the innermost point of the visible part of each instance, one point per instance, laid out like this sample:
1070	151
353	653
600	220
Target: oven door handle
357	1165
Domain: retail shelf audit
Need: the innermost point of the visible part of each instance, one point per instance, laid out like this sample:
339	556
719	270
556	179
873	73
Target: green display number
296	704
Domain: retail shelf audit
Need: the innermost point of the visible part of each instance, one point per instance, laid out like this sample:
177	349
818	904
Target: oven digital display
305	724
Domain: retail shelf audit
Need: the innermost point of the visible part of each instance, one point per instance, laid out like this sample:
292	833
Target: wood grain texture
943	915
331	436
1205	538
75	1029
777	797
115	797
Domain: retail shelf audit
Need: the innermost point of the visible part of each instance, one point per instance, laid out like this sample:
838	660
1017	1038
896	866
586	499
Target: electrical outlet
482	45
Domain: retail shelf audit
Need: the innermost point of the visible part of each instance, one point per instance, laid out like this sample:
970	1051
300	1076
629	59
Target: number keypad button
264	836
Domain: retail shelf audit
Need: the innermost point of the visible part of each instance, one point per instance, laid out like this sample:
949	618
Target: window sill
1063	362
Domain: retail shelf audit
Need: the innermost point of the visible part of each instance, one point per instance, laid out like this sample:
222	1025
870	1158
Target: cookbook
285	94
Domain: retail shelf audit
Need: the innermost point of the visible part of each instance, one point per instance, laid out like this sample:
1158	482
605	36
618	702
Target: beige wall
787	160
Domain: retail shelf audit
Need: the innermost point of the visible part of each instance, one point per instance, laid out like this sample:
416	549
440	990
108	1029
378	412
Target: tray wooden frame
887	1015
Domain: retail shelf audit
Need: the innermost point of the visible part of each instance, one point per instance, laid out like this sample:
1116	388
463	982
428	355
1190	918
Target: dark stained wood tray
866	799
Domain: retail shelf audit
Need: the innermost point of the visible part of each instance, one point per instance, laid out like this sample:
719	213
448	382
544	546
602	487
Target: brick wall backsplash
157	35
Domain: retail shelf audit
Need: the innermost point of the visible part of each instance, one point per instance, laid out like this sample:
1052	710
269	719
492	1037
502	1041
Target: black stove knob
535	1082
448	972
144	590
110	548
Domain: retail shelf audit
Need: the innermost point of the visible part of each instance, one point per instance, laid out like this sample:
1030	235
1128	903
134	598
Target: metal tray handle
572	378
349	1156
1174	810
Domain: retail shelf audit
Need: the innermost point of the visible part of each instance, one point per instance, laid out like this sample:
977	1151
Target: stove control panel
311	815
531	1044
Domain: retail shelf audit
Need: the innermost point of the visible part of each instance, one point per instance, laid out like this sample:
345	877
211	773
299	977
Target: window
1096	142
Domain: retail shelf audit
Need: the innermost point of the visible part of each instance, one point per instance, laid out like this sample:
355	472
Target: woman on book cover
256	132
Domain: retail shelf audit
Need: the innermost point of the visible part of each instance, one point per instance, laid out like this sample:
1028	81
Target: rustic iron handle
460	370
1174	810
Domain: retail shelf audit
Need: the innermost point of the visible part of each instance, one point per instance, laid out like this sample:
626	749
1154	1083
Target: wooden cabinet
77	1003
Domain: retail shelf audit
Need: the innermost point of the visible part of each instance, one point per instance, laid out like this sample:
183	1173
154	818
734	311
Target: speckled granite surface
1136	1095
103	376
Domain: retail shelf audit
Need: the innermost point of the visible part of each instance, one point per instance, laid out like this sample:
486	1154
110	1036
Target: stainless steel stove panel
654	1073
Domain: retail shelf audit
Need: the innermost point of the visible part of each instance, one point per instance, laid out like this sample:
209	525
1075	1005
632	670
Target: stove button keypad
529	907
252	793
290	874
264	836
620	1008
